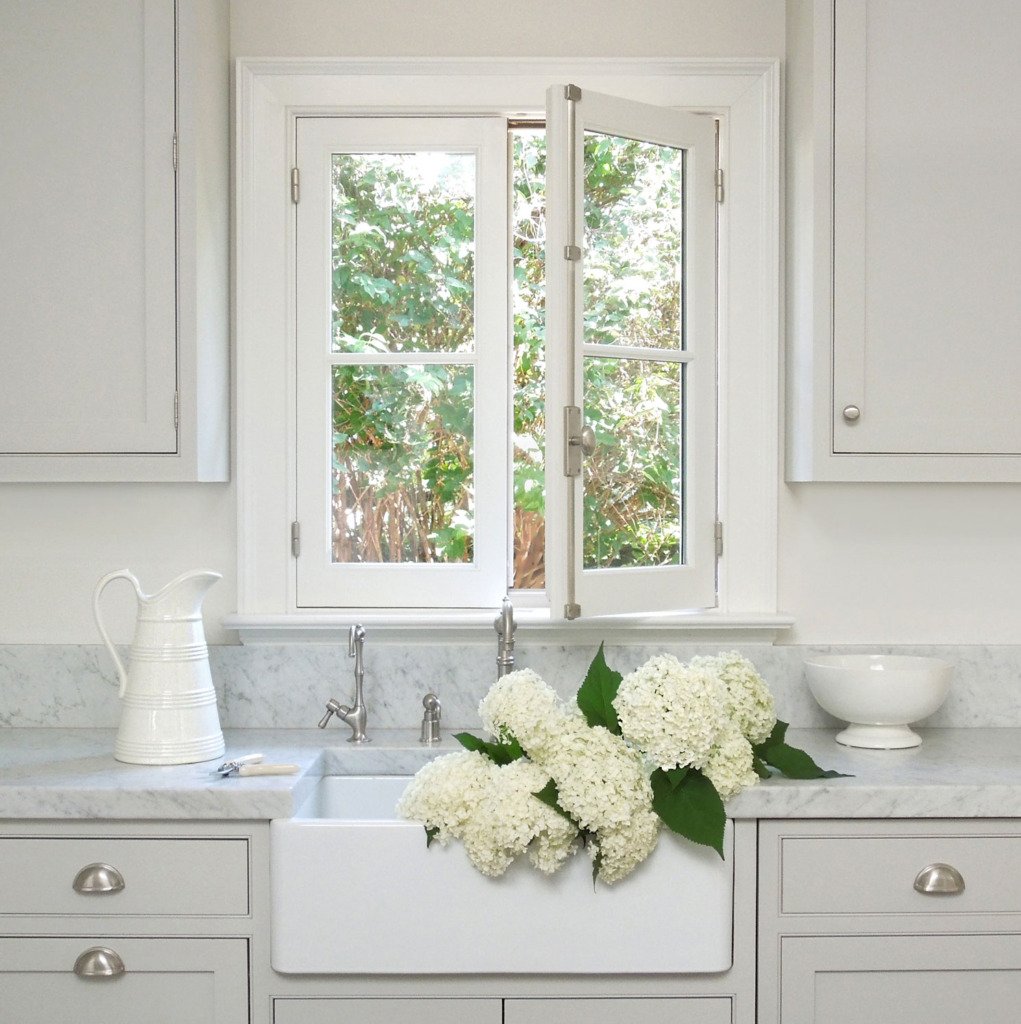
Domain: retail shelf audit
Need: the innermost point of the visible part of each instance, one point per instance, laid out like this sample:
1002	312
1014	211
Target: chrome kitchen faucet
355	715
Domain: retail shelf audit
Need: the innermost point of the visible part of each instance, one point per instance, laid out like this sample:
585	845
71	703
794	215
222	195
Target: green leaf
760	768
499	752
692	808
789	761
430	835
596	693
551	797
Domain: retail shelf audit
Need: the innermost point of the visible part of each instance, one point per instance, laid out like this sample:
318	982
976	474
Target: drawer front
704	1010
164	876
386	1011
201	981
876	874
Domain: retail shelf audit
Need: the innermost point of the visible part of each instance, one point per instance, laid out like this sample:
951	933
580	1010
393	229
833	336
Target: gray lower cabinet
157	980
125	923
852	927
646	1010
386	1011
907	979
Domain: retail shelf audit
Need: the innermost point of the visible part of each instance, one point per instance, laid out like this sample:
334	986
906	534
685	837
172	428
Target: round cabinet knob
852	413
98	962
939	880
98	878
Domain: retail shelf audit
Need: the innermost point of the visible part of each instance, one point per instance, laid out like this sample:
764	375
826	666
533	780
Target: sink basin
356	891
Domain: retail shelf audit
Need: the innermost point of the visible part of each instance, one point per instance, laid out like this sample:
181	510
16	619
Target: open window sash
395	385
631	356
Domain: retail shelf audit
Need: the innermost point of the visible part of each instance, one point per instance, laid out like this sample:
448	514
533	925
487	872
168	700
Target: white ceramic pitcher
168	705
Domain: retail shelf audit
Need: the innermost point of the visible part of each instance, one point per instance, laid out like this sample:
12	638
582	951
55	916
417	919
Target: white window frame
270	94
483	581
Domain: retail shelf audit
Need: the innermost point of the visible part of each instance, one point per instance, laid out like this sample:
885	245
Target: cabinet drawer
386	1011
875	874
201	981
703	1010
200	877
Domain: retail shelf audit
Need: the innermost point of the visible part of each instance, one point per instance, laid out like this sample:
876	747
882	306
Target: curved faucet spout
355	715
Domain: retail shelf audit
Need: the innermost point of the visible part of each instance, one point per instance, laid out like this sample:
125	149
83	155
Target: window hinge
295	184
572	253
175	151
177	409
718	533
295	539
719	184
572	93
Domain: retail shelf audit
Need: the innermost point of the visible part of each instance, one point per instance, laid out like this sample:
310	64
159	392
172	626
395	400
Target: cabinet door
909	979
618	1011
87	268
201	981
927	210
386	1011
903	231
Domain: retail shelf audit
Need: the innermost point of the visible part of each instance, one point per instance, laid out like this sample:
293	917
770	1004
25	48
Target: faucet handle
431	719
332	707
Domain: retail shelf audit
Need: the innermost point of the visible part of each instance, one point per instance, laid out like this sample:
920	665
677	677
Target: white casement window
493	332
402	364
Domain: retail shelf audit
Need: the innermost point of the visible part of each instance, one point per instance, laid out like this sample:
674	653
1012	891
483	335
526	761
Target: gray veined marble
287	686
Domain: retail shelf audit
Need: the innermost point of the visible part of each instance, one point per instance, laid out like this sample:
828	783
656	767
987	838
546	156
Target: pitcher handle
120	574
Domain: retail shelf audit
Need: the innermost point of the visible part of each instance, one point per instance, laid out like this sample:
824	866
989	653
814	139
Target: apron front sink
356	891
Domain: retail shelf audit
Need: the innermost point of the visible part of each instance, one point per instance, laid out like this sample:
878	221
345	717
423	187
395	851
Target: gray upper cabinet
904	240
114	267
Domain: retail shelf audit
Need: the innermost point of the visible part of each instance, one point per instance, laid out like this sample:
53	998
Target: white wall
859	563
498	28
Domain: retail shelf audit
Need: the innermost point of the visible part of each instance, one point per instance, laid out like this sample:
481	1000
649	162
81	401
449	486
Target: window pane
633	505
403	252
633	242
528	226
403	488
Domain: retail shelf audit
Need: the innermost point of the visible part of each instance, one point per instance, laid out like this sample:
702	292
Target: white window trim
270	93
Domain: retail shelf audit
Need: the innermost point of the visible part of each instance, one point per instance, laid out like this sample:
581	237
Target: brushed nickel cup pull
96	879
98	962
939	880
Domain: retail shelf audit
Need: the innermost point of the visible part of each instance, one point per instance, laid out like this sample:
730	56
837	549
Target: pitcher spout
181	598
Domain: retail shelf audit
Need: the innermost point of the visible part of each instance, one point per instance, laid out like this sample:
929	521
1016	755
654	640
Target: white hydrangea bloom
748	700
525	706
509	818
672	712
491	809
623	849
729	767
601	781
445	793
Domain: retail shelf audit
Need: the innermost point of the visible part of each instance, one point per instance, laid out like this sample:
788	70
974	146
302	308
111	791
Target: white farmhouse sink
356	891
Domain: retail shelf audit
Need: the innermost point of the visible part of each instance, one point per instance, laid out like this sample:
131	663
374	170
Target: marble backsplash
287	686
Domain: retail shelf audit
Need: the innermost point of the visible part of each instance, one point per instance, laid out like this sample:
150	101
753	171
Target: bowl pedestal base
879	737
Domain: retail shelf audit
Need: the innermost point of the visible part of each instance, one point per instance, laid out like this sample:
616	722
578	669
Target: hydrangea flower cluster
704	716
602	782
491	809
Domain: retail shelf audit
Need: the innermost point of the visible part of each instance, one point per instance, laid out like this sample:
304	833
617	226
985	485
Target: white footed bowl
879	695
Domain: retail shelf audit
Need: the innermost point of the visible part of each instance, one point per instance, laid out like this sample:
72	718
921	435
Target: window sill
535	625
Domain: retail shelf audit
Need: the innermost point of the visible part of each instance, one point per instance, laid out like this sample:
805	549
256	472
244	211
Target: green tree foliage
403	266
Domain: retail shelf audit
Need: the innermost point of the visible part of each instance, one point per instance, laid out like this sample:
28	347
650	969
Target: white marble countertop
71	774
